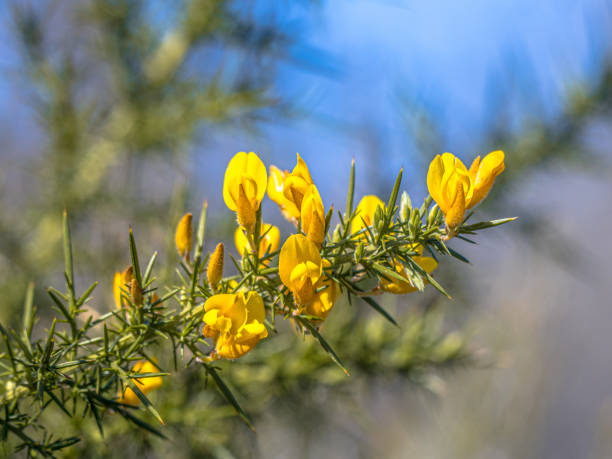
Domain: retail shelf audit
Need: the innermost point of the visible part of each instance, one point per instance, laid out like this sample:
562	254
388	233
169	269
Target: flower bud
184	235
358	253
136	293
337	236
405	207
214	273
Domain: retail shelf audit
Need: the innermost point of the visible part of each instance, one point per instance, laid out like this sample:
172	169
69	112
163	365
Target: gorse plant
93	366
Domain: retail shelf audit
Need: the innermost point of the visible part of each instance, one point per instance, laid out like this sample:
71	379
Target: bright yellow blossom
313	216
235	321
365	212
450	185
122	282
483	175
145	385
268	244
296	184
300	267
184	235
323	301
428	264
214	271
244	187
276	183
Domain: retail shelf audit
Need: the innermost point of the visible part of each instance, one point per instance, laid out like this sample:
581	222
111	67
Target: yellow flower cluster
457	189
234	320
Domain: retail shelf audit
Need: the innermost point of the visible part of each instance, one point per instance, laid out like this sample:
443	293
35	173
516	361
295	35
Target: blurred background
127	112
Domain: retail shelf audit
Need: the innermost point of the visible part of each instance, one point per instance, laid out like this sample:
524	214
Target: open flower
145	385
365	212
296	184
276	185
122	283
323	301
235	321
428	264
300	267
244	187
483	175
450	185
313	216
268	243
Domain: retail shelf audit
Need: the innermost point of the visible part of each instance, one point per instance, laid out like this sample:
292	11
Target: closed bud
337	233
433	214
184	235
136	293
405	207
358	253
214	273
378	219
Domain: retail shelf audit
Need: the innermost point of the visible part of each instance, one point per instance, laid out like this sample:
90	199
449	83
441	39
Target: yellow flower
365	212
122	282
276	183
268	244
235	321
184	235
296	184
324	300
401	287
300	267
483	175
214	272
313	216
145	385
244	187
450	185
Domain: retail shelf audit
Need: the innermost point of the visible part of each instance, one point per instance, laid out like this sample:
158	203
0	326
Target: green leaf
395	192
139	422
149	270
143	398
379	309
134	255
28	314
86	295
312	329
201	232
484	225
351	190
67	252
229	396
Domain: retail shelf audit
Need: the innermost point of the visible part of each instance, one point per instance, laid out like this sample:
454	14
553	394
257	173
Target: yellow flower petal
145	385
313	216
365	212
483	174
235	322
300	267
244	170
276	182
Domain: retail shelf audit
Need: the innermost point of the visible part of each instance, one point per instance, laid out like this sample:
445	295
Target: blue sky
462	62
